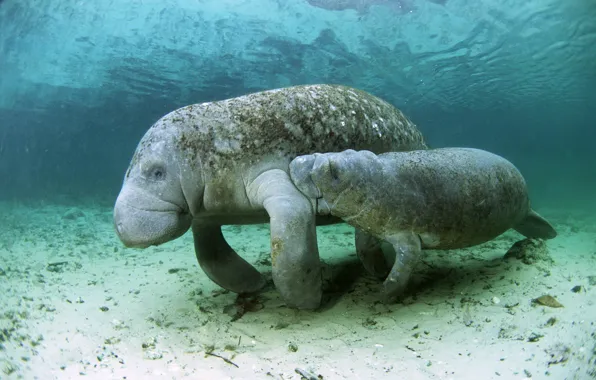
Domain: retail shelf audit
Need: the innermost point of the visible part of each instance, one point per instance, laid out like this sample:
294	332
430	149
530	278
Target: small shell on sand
547	300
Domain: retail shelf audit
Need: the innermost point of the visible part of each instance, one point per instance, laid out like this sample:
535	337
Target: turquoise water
81	82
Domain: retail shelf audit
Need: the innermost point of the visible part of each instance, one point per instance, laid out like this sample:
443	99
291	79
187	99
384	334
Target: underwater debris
559	353
73	214
222	358
233	347
149	343
56	267
153	355
551	322
61	266
508	332
244	303
219	292
209	352
529	251
176	270
280	325
510	308
577	289
161	321
369	323
307	375
547	300
118	325
149	349
535	337
112	340
9	368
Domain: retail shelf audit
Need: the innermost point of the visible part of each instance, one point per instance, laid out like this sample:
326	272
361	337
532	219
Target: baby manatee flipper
296	267
408	250
221	263
370	252
535	226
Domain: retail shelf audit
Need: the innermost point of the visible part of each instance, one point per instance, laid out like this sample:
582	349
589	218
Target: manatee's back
288	122
451	198
457	197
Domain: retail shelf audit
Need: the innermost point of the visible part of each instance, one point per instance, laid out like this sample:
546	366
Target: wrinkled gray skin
436	199
227	162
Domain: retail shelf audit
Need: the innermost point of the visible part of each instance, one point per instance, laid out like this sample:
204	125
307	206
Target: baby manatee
426	199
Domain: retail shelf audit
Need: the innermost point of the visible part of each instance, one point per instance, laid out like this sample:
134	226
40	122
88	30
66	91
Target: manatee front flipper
408	251
535	226
370	252
221	263
296	267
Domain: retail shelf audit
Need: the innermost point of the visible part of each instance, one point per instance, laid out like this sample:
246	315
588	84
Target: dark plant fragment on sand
244	303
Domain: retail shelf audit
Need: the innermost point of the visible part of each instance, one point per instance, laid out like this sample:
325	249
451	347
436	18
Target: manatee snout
333	173
310	173
327	173
324	175
142	220
300	172
313	171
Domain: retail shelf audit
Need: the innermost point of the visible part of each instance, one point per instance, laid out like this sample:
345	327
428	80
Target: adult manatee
227	162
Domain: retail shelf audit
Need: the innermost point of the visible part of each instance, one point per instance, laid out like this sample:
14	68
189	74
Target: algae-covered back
287	122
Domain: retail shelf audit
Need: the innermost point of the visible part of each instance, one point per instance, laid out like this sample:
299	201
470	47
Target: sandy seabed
76	304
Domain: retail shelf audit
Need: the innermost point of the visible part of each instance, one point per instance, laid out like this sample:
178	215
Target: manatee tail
535	226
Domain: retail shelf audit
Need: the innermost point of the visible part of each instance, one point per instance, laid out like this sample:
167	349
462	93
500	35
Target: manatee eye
157	173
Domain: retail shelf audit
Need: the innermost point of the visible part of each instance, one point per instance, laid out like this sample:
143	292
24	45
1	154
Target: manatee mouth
142	220
147	228
165	207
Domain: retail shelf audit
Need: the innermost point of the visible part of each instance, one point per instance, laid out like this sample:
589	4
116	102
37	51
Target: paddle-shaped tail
535	226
